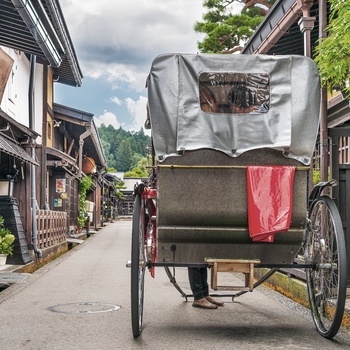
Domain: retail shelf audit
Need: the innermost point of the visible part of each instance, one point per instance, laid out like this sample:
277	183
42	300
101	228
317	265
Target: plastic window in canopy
235	93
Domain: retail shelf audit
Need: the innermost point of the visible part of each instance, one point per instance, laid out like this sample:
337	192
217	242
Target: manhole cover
84	308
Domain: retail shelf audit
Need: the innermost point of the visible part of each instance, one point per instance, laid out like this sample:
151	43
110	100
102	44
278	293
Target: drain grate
84	308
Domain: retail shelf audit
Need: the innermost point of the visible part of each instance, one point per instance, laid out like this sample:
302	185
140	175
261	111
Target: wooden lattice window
344	144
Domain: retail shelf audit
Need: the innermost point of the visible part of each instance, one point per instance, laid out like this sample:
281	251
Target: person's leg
204	281
194	276
205	288
196	284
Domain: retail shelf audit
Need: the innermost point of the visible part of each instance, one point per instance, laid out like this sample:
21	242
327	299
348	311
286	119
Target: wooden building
293	27
43	145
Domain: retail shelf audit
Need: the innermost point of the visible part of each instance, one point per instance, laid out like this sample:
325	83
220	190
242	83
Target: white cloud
107	118
137	110
119	39
116	100
116	74
116	42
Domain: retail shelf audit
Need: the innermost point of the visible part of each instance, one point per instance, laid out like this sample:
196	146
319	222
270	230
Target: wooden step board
228	265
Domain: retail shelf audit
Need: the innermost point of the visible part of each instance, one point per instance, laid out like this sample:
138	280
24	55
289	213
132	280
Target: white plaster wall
38	101
16	101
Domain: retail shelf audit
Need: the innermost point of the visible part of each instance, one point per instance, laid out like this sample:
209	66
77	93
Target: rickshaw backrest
202	195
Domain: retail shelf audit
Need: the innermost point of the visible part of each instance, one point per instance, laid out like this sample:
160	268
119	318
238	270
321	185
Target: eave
279	33
80	122
37	27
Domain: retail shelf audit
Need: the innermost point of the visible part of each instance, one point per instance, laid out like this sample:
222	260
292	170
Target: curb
17	287
296	289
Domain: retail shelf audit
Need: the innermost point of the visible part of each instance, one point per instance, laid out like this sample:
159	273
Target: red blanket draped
270	196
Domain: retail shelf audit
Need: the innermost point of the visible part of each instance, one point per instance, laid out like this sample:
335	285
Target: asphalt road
82	301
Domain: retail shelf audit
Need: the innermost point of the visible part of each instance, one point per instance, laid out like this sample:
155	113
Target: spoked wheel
138	265
326	281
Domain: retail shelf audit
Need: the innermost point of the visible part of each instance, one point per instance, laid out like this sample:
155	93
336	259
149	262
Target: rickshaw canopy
233	104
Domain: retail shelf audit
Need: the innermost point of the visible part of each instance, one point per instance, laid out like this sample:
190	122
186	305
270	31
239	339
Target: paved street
73	303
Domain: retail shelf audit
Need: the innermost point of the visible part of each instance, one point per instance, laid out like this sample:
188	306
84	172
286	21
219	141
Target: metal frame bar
271	266
172	166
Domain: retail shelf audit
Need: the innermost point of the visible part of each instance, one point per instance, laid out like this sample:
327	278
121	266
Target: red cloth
270	200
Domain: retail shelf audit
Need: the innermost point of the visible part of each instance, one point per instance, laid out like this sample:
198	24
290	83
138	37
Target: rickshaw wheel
326	281
138	265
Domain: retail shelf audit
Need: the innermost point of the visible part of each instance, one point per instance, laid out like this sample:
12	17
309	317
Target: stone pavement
12	279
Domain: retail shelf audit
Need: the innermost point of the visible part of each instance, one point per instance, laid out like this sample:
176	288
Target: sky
116	42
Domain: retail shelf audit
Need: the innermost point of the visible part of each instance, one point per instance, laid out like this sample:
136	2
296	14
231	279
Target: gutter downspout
306	24
83	136
32	167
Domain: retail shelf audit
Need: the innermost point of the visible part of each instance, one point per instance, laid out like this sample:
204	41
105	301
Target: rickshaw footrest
229	265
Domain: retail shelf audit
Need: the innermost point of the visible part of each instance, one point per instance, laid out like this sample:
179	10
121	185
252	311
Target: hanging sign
60	185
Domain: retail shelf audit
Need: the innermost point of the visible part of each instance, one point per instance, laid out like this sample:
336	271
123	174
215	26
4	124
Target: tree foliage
84	185
123	149
141	169
6	239
225	31
136	172
333	52
124	155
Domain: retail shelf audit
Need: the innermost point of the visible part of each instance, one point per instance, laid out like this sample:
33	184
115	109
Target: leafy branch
6	239
84	185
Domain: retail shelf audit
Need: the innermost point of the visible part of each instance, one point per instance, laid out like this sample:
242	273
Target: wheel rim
138	265
326	282
142	264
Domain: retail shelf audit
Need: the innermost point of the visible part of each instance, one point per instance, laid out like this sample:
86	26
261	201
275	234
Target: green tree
333	53
105	146
136	172
136	157
144	164
119	185
225	31
112	140
124	156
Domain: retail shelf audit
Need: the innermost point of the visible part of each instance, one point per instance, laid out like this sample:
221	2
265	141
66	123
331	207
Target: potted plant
6	242
84	186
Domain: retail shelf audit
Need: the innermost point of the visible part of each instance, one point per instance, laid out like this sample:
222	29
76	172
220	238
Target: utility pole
323	116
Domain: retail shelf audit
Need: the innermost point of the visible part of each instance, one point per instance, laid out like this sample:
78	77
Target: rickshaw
233	137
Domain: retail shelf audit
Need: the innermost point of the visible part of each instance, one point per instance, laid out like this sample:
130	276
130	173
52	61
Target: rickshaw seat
203	203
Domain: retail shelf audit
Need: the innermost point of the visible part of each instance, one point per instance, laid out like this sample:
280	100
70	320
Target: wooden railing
52	227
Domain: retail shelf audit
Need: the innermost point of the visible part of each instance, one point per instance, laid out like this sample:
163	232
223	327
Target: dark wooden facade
294	27
62	137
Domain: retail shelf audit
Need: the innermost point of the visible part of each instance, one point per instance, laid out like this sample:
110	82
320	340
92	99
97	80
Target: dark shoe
203	304
213	301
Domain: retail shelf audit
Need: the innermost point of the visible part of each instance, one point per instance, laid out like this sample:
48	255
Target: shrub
6	239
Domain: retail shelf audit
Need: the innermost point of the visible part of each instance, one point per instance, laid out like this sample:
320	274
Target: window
344	146
234	92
